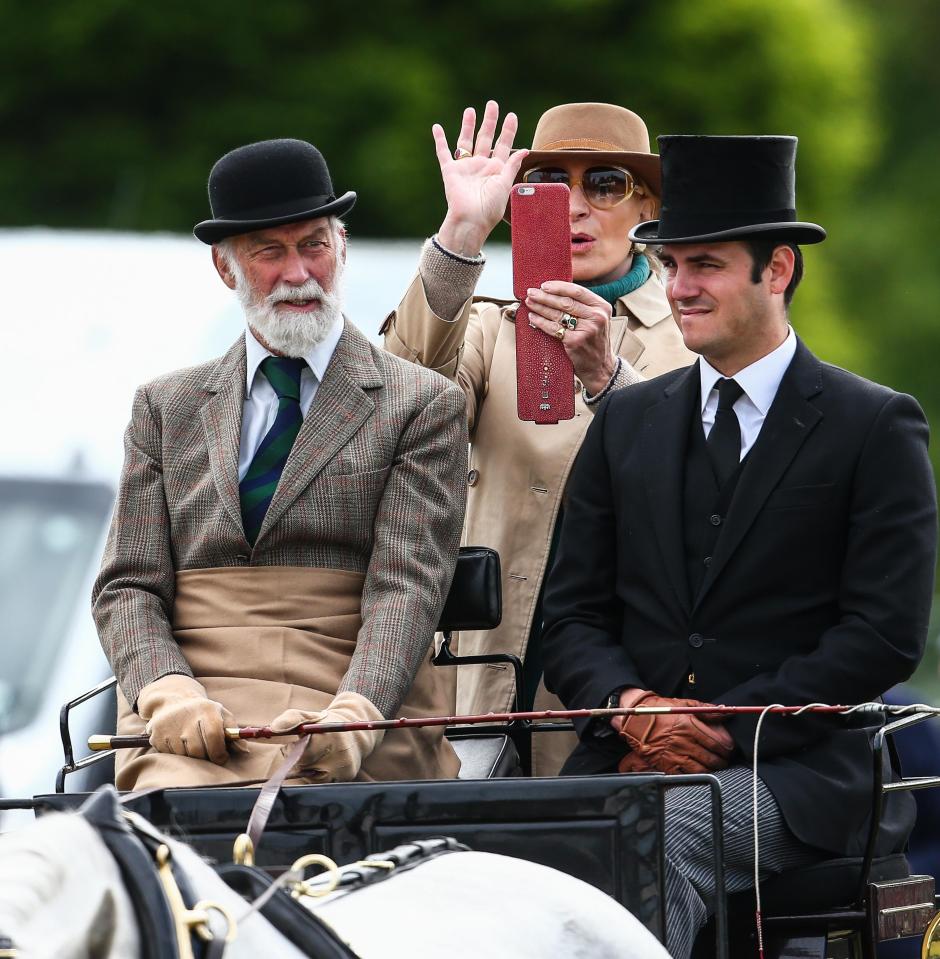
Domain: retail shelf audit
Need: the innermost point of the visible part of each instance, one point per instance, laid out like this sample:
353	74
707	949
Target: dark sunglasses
603	186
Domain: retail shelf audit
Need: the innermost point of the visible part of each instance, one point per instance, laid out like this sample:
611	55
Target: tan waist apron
263	639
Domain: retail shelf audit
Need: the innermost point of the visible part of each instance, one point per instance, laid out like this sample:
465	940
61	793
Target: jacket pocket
344	472
795	497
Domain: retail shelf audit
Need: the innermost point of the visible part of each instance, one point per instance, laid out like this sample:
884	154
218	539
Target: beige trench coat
518	470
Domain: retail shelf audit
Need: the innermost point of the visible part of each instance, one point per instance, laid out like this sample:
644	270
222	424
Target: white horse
62	896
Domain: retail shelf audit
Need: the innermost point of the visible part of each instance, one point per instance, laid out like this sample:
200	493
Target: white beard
288	332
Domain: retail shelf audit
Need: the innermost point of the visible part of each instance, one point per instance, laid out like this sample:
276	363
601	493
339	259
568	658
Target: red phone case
541	250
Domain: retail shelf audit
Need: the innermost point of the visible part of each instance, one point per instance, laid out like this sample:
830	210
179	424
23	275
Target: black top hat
268	184
726	188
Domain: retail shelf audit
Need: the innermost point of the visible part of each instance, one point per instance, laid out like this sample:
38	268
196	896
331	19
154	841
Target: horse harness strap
159	892
309	933
248	842
380	866
269	792
279	901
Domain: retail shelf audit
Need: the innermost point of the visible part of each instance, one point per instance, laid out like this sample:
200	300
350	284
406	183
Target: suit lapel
340	407
790	420
665	431
222	421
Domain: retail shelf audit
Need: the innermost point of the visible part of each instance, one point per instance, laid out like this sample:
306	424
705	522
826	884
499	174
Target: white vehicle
88	317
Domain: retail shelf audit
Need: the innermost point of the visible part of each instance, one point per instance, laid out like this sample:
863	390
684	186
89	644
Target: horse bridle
172	923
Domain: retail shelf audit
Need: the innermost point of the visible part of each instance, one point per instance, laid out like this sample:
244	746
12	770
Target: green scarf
633	280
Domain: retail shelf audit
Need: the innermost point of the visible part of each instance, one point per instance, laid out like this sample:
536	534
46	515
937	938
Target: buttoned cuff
448	278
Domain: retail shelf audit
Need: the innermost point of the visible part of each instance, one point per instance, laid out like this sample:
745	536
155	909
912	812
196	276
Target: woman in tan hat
624	332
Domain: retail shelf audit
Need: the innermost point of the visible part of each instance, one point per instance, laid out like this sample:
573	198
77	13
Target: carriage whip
99	743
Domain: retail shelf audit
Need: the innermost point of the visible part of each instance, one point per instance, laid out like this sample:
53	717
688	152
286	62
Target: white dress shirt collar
760	381
317	359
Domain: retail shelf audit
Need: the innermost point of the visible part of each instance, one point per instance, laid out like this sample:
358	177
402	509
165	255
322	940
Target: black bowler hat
727	188
269	184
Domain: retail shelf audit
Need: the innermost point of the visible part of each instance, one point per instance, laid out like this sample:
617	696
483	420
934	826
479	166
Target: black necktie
724	440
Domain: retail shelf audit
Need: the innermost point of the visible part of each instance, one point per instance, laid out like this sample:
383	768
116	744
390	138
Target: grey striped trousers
690	881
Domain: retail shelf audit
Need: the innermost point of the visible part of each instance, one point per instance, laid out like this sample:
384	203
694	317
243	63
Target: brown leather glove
674	743
181	719
334	757
633	763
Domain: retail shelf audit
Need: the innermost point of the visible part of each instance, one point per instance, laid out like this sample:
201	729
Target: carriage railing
880	910
68	751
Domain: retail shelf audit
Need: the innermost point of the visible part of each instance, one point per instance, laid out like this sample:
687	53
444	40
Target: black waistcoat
704	506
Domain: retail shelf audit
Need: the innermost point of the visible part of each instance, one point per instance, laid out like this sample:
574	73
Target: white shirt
260	407
760	382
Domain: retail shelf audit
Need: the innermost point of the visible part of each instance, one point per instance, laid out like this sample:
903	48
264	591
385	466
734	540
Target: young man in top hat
288	516
758	528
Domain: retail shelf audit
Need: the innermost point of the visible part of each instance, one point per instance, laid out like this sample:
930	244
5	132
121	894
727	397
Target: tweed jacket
518	470
375	484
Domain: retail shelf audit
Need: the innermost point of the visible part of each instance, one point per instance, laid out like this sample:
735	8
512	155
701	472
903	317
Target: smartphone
541	250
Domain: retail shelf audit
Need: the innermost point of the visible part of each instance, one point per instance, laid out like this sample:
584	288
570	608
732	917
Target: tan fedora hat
595	131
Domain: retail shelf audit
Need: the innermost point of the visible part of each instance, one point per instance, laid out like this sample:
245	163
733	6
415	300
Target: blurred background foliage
112	112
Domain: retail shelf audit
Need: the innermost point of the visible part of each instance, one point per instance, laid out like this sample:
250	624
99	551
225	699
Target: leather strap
135	862
301	926
269	792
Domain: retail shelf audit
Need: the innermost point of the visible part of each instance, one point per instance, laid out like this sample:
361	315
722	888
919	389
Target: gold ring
569	321
559	334
461	154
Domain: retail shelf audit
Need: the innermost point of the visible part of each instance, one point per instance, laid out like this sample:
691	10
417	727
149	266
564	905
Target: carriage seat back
475	599
486	757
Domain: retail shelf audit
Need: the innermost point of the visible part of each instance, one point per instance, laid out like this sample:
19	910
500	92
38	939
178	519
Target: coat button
472	477
696	640
242	557
707	562
714	519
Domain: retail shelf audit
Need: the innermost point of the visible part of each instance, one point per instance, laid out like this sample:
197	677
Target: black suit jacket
819	588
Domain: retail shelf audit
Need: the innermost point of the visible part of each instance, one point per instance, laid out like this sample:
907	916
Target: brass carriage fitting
243	851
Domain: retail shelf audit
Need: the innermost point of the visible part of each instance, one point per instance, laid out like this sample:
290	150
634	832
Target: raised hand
477	186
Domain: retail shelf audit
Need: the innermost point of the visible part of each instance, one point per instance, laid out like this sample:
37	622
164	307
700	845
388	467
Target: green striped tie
259	483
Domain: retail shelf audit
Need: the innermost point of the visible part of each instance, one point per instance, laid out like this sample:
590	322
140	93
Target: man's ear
222	268
342	243
781	265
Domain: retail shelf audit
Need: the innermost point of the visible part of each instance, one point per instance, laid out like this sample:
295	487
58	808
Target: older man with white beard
288	516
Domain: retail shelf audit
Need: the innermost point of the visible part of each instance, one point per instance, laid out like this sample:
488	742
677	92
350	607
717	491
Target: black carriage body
604	830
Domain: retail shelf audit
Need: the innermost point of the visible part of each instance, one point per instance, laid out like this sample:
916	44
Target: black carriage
605	830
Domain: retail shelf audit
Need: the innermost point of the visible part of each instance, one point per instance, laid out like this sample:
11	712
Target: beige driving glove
334	757
181	719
